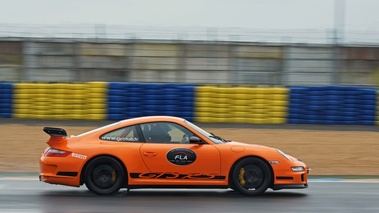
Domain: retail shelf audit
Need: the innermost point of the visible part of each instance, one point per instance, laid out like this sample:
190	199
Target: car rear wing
57	135
52	131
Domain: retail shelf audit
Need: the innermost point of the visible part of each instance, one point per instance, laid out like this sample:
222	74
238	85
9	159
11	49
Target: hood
247	145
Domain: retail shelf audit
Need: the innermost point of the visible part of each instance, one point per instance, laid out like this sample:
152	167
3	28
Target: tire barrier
207	104
127	100
241	105
85	101
332	105
6	96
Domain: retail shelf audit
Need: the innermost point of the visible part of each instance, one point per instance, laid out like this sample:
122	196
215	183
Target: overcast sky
357	20
253	14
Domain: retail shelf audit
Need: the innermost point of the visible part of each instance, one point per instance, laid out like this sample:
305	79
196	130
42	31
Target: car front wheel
251	176
104	176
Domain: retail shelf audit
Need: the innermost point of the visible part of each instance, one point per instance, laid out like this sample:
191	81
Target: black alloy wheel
104	176
251	176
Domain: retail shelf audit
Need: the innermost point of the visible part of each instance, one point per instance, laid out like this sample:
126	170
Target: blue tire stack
332	105
367	103
6	93
296	107
186	101
128	100
152	100
116	101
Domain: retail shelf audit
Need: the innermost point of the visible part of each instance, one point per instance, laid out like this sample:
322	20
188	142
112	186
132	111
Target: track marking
19	178
325	180
329	180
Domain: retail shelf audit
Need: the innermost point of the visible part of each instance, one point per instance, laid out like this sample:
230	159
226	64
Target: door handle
150	154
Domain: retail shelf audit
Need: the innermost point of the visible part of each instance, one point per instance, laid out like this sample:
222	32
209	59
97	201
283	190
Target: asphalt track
27	194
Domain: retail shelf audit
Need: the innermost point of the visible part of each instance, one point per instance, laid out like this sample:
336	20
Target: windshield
212	137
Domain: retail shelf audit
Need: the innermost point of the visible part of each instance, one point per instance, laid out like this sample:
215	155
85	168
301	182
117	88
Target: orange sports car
164	151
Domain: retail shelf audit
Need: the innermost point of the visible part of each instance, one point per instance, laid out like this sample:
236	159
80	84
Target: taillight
56	153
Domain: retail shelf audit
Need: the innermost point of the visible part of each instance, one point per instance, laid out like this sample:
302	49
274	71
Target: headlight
297	169
283	154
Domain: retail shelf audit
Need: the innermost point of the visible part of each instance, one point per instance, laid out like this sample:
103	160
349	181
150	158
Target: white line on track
329	180
19	178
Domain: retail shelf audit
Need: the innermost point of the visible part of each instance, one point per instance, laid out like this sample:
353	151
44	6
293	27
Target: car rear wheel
104	175
251	176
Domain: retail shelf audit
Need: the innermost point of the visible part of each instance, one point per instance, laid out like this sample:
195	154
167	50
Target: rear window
126	134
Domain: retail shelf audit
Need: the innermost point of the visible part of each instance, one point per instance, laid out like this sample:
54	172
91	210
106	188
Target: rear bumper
60	180
62	171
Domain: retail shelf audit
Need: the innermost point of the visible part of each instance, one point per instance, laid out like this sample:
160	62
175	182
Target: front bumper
286	178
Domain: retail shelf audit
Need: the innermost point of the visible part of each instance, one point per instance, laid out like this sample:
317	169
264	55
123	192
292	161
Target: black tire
251	176
104	175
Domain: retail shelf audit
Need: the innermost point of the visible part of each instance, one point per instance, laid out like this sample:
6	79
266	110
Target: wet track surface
30	195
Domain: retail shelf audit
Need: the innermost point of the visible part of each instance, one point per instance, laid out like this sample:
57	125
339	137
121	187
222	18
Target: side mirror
195	140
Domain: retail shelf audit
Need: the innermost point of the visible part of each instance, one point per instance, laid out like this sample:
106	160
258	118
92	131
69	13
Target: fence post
284	69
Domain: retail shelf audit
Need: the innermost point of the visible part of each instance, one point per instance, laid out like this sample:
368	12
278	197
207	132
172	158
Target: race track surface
29	195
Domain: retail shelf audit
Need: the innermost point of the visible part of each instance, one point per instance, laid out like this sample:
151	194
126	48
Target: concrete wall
359	65
10	60
188	62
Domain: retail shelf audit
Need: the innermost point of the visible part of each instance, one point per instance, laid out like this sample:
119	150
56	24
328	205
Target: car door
168	154
125	143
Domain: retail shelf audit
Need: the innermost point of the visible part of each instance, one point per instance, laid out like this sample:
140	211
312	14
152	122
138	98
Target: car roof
133	121
147	119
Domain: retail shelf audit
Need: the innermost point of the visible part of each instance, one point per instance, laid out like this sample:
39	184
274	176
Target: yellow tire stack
238	109
48	101
96	101
257	104
23	96
204	104
221	103
68	101
61	101
75	96
268	105
241	105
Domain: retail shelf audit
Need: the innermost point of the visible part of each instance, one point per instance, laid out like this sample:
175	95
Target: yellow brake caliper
114	176
241	176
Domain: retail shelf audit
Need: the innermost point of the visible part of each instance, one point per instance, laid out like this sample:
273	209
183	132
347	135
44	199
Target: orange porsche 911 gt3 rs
164	151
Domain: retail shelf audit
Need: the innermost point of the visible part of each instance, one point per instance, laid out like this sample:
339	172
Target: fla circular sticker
181	156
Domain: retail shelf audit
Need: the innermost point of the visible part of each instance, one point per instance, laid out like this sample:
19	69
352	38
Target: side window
164	132
126	134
